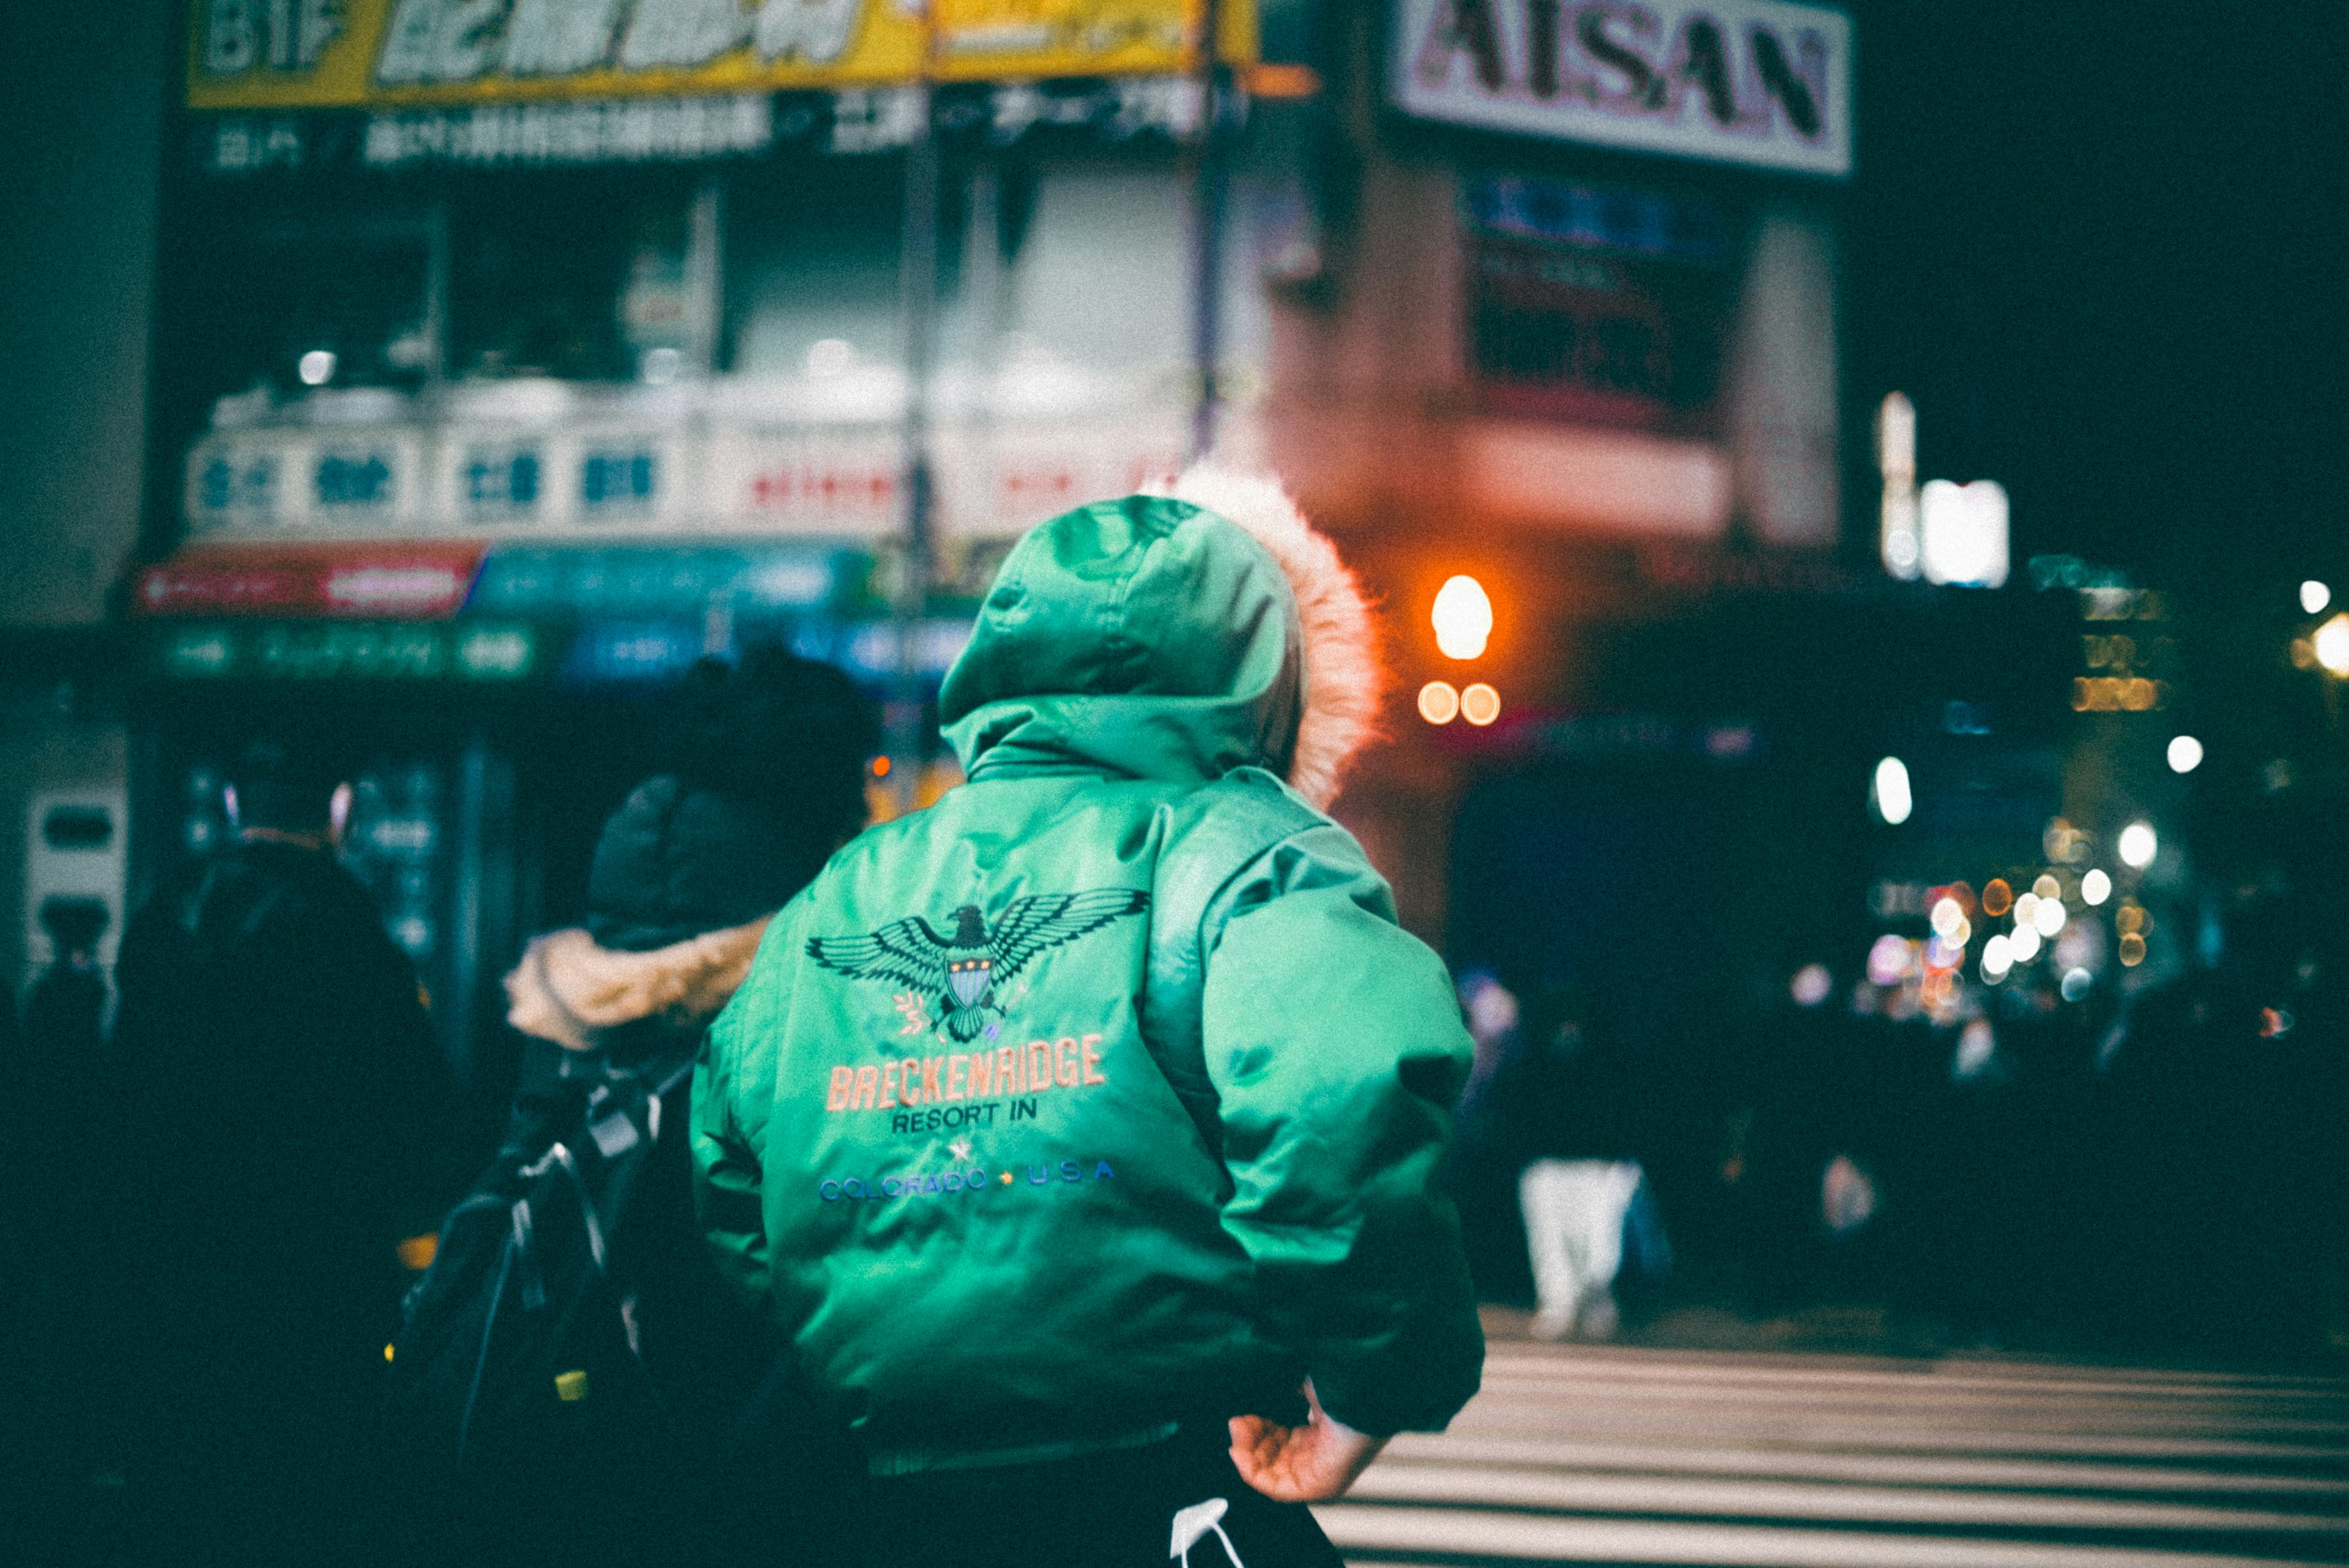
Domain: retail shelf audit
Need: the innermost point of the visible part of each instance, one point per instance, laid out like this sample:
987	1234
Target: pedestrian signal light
1480	704
1464	617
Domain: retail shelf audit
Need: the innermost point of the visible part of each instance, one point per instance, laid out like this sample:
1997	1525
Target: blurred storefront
507	363
509	359
1561	315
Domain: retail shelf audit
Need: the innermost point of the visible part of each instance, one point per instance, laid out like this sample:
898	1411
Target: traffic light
1463	616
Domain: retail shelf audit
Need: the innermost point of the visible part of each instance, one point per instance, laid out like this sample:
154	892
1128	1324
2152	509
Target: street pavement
1616	1455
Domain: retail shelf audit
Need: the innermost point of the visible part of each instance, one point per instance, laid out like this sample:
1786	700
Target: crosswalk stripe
1447	1536
1926	1390
1528	1490
1888	1469
1925	1439
1723	1371
1616	1455
1637	1415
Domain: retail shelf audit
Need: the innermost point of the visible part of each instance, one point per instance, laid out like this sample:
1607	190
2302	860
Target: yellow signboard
269	54
983	39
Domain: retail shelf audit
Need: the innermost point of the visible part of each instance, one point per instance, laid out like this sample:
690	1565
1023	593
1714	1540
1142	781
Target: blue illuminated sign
619	480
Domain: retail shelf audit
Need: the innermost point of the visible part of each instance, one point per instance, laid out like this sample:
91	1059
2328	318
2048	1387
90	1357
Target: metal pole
437	265
918	278
1207	234
705	277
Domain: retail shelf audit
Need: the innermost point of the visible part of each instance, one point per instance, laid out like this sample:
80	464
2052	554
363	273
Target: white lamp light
1964	532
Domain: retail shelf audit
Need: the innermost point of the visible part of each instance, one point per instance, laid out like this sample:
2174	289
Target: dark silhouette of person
282	1103
65	1012
760	781
58	1068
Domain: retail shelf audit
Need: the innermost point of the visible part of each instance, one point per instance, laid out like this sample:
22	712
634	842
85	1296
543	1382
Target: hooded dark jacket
1106	1095
684	881
286	1099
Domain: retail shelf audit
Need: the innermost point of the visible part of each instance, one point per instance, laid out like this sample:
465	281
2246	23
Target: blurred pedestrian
20	1174
1084	1129
1575	1214
64	1013
1583	1097
763	783
1491	1132
283	1099
55	1072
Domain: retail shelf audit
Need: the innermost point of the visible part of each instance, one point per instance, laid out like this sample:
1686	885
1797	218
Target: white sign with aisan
1733	81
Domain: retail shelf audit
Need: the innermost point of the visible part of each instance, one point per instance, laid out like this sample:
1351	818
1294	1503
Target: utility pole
918	286
1208	202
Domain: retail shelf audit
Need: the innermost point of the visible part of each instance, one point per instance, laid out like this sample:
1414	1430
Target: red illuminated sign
408	582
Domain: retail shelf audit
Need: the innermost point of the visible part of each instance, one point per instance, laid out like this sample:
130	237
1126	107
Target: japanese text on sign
257	54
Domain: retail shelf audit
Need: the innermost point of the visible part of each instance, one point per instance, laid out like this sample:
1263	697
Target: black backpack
570	1372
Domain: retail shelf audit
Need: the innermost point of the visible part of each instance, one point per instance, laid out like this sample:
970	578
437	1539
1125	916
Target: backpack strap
1218	832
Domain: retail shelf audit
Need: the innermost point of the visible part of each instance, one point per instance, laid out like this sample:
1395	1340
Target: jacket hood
570	991
1171	636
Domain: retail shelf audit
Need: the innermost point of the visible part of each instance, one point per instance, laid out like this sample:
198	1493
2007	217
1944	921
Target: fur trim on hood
569	990
1344	677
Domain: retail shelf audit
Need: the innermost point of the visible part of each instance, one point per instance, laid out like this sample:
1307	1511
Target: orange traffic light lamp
1463	617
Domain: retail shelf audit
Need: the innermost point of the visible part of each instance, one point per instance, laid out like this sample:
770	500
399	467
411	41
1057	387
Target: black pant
1110	1510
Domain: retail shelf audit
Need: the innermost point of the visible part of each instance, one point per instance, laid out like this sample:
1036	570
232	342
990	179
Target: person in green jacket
1083	1131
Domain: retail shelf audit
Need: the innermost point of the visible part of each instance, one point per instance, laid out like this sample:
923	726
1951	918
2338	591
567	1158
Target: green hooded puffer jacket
1106	1093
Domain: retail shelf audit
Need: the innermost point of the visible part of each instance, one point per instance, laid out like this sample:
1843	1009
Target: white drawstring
1192	1524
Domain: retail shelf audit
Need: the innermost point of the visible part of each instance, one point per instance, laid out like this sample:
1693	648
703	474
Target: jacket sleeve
731	1097
1336	1049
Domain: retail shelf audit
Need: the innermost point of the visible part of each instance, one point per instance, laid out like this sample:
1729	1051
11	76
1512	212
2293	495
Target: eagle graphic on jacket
962	968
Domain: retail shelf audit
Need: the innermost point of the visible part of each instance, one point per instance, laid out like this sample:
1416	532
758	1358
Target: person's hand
1311	1463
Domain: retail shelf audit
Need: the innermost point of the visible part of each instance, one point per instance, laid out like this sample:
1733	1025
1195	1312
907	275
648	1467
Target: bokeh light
2331	645
1998	958
1888	792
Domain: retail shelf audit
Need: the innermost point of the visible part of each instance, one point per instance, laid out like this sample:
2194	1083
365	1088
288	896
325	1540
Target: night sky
2102	246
